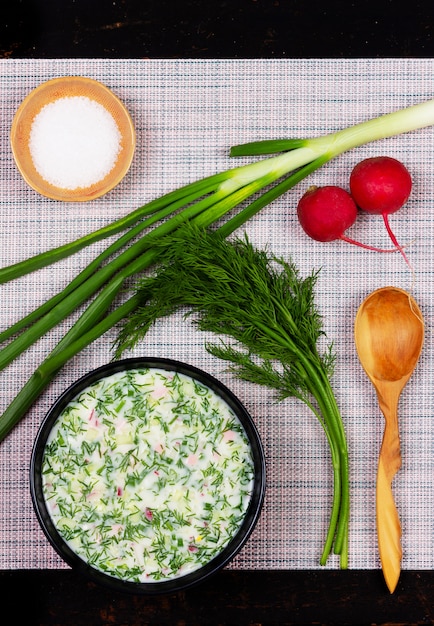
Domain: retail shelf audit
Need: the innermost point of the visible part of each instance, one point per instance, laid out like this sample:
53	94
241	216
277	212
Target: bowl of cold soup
147	475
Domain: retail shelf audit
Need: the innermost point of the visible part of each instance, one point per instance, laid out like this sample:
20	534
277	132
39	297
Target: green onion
204	203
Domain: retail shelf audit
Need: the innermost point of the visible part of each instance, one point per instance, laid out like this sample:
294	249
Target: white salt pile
74	142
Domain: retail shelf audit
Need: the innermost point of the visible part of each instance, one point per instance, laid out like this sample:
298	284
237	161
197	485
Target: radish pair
378	185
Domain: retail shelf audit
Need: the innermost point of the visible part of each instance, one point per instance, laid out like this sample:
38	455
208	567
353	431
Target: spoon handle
388	524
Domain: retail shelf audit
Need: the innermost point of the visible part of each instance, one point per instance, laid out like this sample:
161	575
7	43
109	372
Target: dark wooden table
235	598
216	28
219	29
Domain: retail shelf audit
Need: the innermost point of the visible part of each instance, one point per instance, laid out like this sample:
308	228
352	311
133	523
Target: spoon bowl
389	335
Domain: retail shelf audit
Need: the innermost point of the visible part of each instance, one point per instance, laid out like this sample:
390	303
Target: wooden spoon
389	334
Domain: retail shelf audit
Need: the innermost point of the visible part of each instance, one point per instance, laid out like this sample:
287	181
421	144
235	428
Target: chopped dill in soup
147	474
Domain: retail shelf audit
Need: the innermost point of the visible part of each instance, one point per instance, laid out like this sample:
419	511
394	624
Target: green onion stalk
204	203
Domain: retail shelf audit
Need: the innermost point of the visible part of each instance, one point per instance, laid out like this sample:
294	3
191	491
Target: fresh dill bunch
268	311
237	291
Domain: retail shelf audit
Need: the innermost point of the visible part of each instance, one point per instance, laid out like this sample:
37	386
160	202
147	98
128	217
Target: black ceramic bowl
47	501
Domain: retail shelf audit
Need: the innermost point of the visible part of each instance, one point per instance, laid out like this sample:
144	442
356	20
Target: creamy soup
147	474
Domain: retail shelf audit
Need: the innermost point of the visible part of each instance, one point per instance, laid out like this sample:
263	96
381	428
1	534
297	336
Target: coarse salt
74	142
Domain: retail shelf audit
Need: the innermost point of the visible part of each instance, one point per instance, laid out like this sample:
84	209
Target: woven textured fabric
187	113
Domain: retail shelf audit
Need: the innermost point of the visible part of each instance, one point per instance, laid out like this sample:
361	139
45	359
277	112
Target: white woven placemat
187	114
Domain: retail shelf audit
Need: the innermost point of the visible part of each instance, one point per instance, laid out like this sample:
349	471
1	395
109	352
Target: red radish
325	213
381	185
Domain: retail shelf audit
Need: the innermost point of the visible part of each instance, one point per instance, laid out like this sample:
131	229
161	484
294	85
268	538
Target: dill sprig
268	326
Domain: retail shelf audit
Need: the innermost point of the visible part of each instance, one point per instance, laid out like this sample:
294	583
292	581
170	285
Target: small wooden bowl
49	92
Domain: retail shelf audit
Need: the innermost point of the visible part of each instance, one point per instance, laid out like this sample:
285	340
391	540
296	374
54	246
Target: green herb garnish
147	511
